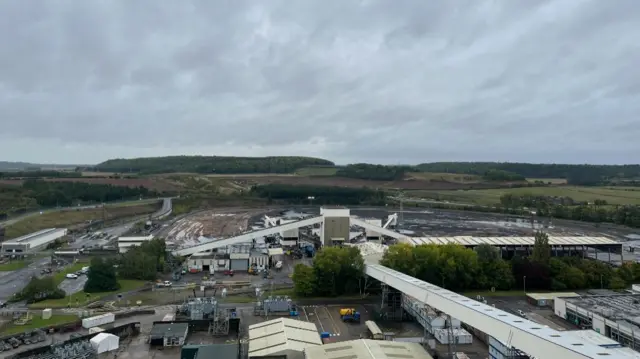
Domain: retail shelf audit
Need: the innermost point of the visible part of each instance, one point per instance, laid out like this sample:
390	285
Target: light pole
524	283
601	283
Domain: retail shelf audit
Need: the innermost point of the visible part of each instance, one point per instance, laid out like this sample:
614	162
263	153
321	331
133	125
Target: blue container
325	335
293	313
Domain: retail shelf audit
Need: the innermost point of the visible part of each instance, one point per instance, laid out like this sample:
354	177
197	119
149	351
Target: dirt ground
214	223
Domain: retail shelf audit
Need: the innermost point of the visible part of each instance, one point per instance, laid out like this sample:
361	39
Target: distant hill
210	164
25	166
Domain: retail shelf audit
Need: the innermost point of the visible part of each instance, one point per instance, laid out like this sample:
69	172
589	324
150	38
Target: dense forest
575	174
321	195
374	172
209	164
41	194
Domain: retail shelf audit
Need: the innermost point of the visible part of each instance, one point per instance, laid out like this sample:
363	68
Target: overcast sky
353	81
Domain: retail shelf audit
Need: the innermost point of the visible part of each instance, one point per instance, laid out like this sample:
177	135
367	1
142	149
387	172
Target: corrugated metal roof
278	335
512	241
368	349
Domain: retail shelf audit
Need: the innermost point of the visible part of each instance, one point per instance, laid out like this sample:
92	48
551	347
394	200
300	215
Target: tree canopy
210	164
101	276
39	289
461	269
144	261
336	271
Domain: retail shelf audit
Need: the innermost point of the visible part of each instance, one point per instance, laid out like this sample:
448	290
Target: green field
490	197
81	298
317	171
67	218
37	322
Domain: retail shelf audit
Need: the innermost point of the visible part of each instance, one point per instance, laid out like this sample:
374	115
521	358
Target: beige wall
335	227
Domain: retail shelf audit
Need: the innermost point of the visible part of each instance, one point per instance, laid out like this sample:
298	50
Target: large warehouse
615	316
282	337
31	242
367	349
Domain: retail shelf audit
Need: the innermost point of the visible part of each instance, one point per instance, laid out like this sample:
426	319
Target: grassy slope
68	218
81	298
13	265
37	322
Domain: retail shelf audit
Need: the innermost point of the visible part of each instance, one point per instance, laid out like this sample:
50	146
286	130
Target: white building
283	336
615	316
367	349
32	242
124	243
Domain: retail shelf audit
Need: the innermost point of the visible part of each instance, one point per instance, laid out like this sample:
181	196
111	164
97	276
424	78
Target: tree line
320	194
459	268
42	194
596	211
575	174
40	174
209	164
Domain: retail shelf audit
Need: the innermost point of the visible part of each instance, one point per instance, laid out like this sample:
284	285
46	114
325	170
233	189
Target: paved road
12	282
124	227
71	286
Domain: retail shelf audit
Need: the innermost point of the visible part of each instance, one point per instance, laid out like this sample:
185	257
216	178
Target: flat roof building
546	299
367	349
614	316
168	334
124	243
282	337
32	242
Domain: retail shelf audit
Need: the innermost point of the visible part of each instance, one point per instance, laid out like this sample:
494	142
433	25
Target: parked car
71	276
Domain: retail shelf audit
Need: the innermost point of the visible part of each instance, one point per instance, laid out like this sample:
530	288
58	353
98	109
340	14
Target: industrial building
168	334
603	248
218	351
372	235
547	299
32	242
614	316
529	337
237	258
367	349
124	243
282	337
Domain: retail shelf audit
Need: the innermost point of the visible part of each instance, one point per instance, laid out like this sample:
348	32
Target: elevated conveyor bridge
530	337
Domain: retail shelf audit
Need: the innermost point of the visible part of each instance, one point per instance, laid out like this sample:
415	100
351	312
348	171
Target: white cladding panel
98	320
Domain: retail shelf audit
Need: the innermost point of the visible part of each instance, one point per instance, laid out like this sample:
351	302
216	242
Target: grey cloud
370	80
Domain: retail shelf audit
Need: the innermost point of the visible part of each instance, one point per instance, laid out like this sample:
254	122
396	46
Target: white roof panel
367	349
281	334
513	241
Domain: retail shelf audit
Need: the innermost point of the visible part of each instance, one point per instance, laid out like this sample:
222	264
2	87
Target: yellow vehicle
347	311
